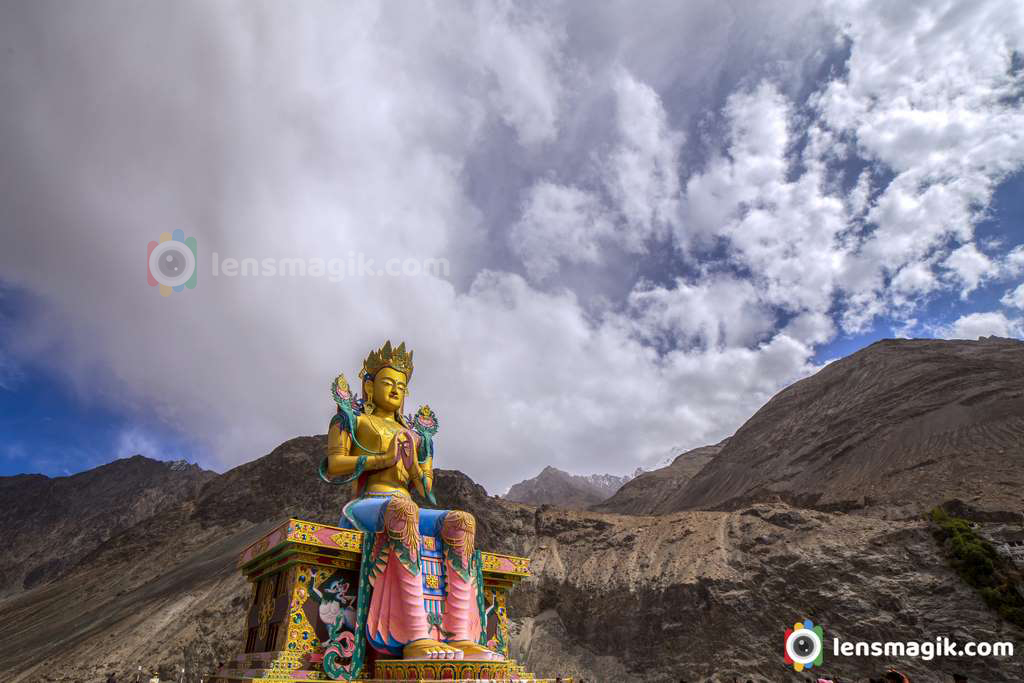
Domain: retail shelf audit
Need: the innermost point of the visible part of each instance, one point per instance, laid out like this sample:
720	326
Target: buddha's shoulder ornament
424	422
349	407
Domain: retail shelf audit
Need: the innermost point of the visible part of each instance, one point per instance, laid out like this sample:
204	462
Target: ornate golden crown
386	357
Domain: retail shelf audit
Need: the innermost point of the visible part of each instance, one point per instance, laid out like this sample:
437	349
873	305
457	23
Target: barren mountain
897	427
706	596
50	524
697	595
164	591
555	487
652	493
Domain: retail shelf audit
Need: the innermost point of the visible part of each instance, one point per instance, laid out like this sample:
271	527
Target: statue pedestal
304	575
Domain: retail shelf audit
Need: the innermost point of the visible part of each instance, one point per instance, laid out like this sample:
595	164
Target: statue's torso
377	434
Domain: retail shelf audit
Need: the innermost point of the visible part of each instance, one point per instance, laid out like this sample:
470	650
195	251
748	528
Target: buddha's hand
406	446
389	458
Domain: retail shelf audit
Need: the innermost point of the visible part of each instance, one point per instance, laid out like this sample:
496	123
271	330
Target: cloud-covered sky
655	216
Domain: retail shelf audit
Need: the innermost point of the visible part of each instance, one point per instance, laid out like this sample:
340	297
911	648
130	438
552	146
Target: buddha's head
387	390
386	374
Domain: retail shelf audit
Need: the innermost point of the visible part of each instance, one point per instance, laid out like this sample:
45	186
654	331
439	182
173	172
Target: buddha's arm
340	461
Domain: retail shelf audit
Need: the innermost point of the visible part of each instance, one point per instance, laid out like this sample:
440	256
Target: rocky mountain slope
699	595
706	596
50	524
555	487
164	591
652	493
897	427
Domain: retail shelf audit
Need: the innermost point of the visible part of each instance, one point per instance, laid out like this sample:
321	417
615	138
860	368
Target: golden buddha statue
410	612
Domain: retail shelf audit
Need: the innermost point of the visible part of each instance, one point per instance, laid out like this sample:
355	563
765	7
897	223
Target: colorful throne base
303	575
246	670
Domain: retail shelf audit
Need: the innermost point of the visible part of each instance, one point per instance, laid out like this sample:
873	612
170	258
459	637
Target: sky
616	230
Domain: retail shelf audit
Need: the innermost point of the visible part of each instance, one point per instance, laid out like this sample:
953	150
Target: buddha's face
389	387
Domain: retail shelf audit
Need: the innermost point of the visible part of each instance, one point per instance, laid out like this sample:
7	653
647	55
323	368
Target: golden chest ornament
385	431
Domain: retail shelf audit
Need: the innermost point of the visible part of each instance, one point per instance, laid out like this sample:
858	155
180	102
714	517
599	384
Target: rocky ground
707	595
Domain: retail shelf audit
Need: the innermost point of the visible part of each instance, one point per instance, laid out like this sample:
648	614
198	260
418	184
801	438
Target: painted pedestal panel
304	580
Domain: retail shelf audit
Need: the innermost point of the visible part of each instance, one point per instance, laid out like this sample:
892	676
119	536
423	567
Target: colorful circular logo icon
171	263
803	645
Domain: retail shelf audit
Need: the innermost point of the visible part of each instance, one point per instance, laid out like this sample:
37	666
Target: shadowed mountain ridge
897	427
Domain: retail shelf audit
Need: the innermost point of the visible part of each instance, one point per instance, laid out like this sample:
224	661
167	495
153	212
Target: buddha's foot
475	651
428	648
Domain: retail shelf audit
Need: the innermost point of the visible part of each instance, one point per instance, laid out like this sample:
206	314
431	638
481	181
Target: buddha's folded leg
396	616
461	620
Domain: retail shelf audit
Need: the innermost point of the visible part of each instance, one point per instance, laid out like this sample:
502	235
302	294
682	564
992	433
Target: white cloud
507	139
550	373
521	50
718	312
975	325
858	198
929	94
636	198
970	267
1014	297
1012	264
134	441
911	281
785	231
265	132
905	329
811	327
559	224
642	174
758	136
270	132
